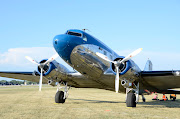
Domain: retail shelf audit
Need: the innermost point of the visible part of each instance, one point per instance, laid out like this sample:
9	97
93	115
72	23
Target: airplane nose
60	42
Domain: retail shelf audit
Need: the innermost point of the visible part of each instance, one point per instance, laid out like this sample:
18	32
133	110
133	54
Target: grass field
27	102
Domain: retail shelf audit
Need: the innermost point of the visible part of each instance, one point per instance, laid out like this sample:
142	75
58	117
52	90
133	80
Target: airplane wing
161	81
30	76
74	79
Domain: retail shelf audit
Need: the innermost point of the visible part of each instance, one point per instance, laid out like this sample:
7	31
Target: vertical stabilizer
148	66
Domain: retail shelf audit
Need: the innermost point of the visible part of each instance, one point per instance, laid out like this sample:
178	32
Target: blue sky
28	27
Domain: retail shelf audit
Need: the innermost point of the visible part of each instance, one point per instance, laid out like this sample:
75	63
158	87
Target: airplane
97	66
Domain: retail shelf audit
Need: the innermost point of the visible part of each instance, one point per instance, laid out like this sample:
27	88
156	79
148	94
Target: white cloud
14	59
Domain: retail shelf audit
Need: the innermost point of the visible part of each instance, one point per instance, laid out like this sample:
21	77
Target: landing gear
143	98
131	100
132	96
61	96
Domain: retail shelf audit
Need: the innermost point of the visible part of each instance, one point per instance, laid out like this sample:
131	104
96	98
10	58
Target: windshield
74	33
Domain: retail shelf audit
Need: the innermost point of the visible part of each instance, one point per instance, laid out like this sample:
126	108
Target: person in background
165	97
155	97
173	97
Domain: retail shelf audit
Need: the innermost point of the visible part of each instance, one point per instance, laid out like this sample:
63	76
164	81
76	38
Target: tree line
15	82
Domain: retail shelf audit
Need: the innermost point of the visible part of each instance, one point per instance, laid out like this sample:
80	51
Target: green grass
27	102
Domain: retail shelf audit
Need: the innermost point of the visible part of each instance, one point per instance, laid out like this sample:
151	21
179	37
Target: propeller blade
51	59
131	55
40	81
32	60
104	57
117	80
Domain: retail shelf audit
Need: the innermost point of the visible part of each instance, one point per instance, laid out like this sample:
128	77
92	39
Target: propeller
118	63
31	60
41	66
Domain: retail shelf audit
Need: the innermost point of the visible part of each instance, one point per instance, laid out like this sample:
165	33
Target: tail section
148	66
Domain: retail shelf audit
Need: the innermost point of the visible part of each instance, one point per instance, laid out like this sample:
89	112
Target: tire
131	100
59	97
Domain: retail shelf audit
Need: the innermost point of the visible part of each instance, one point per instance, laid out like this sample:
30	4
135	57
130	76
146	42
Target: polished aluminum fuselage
81	55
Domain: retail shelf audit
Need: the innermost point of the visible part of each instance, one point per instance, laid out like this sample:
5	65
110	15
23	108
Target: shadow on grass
149	104
161	104
94	101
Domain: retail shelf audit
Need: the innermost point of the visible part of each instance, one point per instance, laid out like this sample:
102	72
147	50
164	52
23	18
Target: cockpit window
84	38
74	33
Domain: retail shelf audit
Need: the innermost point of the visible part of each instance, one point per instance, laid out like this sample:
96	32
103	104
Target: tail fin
148	66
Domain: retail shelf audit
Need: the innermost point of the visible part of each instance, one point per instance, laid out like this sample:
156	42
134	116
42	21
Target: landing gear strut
61	96
143	98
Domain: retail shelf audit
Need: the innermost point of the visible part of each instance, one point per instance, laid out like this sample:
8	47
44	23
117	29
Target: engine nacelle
47	68
123	68
52	83
53	72
125	83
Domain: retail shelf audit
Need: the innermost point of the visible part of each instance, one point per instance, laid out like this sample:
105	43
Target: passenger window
111	57
105	53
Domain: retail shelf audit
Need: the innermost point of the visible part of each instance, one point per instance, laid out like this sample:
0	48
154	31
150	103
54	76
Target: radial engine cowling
123	68
46	68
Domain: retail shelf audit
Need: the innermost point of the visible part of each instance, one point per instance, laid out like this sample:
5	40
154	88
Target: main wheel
131	100
59	97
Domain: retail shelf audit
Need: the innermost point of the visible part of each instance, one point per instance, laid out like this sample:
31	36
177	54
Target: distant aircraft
97	66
